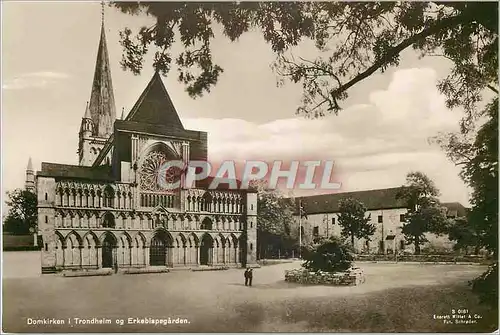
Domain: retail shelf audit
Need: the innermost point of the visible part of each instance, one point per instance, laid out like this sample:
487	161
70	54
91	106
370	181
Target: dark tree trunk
417	245
352	242
476	250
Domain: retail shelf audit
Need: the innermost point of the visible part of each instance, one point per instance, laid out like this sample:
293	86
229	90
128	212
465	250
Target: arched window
108	221
207	202
206	224
109	195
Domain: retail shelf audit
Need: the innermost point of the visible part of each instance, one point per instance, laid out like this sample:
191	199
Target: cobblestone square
395	297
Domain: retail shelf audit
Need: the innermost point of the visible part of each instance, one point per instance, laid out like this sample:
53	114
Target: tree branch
493	89
445	23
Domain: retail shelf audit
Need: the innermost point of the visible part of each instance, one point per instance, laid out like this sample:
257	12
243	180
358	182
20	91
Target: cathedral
109	210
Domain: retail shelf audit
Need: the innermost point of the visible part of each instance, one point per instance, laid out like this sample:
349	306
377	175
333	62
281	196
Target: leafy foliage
192	24
22	214
275	214
425	213
465	235
486	286
330	255
352	219
478	157
354	40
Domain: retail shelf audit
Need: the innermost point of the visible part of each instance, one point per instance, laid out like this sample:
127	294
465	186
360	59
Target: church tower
100	113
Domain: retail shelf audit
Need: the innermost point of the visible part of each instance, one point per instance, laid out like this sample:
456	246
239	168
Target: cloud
374	145
33	80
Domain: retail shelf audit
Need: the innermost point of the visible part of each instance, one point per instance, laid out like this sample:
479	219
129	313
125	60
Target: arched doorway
207	243
158	250
108	245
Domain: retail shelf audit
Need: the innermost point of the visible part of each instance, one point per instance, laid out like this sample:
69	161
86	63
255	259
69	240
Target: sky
48	58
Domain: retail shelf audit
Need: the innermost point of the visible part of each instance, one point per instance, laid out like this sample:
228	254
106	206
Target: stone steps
145	270
88	273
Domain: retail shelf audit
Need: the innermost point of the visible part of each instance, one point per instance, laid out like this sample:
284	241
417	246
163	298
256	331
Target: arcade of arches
157	248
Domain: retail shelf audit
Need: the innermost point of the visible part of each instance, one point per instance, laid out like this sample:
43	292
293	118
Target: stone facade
385	212
387	222
110	210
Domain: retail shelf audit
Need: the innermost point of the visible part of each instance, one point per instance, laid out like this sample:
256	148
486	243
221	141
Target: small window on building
333	221
316	231
46	247
46	196
380	220
251	207
251	246
46	219
251	224
402	218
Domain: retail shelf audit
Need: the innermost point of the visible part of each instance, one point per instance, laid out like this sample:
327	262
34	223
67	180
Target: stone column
146	255
80	248
99	257
237	255
184	260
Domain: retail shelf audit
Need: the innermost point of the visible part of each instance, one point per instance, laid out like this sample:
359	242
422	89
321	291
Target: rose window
153	172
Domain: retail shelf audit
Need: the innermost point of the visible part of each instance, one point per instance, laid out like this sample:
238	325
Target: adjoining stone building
109	210
386	212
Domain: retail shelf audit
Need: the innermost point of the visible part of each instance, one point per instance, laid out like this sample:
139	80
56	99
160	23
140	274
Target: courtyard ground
395	298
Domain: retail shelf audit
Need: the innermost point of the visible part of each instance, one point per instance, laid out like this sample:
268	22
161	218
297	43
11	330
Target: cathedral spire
102	13
29	183
102	100
87	112
30	165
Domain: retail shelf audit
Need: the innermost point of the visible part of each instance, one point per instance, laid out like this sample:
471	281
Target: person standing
246	276
250	277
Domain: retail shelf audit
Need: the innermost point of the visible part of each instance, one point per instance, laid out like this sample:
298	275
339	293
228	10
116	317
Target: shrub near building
327	262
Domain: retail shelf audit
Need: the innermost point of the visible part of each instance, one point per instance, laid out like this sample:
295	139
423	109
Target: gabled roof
372	199
154	106
98	173
455	209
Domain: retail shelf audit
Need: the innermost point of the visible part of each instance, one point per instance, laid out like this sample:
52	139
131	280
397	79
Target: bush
486	286
328	255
